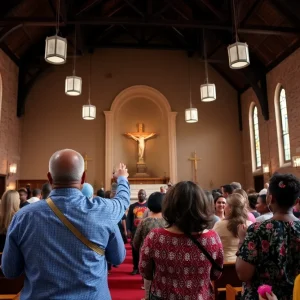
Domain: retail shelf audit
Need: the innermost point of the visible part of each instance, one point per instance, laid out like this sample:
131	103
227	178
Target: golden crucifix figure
194	159
86	159
140	136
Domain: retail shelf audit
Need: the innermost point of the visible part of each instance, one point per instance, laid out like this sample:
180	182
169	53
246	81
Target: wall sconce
296	161
12	169
266	168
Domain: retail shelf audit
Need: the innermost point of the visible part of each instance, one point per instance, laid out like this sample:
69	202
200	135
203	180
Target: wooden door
258	182
2	185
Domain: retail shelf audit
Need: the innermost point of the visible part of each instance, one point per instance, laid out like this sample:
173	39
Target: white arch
141	91
130	93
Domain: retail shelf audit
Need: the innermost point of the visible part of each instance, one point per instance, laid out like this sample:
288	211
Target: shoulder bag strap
74	230
212	261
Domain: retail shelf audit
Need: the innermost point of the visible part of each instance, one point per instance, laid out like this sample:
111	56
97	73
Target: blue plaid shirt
55	263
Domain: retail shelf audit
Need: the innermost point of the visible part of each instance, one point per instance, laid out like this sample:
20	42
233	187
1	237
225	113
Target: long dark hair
186	206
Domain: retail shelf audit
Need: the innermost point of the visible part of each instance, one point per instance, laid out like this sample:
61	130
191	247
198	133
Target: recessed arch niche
159	105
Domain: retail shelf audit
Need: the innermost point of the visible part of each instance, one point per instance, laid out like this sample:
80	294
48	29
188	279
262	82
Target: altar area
141	132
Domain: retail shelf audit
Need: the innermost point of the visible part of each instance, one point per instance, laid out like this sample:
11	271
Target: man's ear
83	178
50	178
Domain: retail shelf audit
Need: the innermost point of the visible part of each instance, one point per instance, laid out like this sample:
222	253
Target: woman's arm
244	270
146	265
247	253
138	237
215	274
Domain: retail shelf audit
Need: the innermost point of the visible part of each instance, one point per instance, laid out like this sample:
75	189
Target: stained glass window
284	126
256	138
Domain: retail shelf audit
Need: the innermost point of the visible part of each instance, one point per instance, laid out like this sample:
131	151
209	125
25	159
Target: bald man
57	265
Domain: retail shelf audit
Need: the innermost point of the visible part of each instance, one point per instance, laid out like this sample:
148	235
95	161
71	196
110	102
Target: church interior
178	90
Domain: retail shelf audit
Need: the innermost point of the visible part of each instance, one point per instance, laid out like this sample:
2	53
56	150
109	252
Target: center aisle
122	285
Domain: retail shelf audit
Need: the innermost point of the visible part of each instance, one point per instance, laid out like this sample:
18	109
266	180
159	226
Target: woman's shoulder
274	225
220	224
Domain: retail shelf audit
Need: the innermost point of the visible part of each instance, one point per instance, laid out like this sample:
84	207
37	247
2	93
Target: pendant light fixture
56	46
191	113
238	53
207	90
73	84
89	110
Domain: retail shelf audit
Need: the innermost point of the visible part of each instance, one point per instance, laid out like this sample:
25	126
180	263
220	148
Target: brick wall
10	125
287	74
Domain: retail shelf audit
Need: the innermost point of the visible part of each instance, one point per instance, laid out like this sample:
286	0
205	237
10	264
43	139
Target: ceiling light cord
205	56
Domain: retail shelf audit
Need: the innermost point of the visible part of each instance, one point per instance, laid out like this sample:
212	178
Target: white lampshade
191	115
89	112
238	54
208	92
73	85
56	50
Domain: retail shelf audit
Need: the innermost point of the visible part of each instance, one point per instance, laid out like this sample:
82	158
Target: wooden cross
194	159
86	159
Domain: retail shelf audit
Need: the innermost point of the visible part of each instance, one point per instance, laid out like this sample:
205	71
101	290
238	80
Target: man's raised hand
121	171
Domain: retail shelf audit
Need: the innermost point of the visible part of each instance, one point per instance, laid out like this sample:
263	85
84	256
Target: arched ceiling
270	27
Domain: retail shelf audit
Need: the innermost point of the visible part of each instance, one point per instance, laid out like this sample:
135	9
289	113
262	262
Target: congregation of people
181	236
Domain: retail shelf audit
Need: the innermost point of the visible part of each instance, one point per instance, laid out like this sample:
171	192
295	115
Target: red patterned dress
181	270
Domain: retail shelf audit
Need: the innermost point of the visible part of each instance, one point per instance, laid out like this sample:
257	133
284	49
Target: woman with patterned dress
170	257
154	220
270	250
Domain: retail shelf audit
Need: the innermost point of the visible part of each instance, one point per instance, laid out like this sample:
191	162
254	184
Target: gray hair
236	185
66	169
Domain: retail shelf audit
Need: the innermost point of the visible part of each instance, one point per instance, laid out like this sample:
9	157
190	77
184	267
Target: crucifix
86	160
140	136
194	159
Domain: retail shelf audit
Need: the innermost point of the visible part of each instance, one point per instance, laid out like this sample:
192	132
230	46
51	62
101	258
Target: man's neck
143	202
66	186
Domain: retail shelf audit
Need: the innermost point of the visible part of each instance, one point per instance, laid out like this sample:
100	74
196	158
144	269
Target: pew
231	292
10	297
10	287
229	276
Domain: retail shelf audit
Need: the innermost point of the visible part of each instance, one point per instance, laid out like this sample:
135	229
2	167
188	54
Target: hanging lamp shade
56	50
89	112
208	92
73	85
191	115
238	54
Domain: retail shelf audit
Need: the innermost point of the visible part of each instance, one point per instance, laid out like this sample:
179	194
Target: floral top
274	248
181	270
144	228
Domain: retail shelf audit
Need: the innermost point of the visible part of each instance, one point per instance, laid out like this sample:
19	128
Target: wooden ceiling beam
140	46
115	10
135	8
9	53
177	10
162	10
290	9
49	22
250	12
219	14
88	5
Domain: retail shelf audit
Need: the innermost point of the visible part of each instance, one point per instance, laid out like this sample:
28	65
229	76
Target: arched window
282	125
254	137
